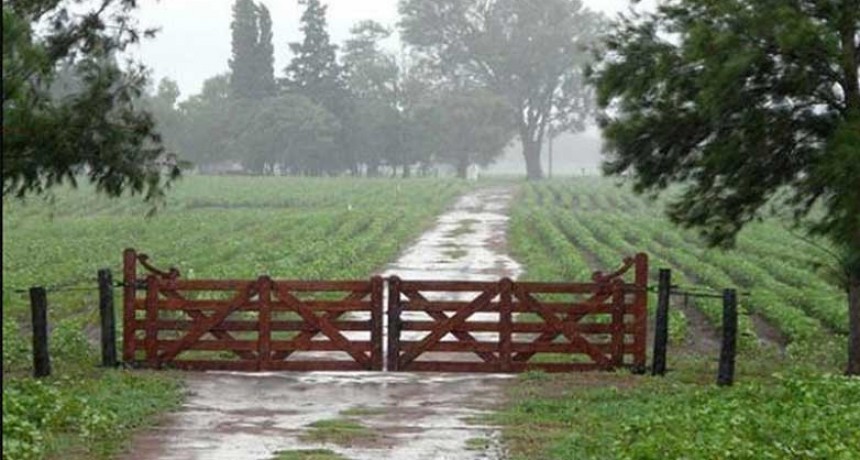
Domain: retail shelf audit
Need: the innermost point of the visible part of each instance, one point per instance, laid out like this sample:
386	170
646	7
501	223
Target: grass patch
456	253
464	227
344	432
309	454
362	411
477	444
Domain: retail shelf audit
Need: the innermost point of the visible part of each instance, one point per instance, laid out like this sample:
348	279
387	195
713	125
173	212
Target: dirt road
234	416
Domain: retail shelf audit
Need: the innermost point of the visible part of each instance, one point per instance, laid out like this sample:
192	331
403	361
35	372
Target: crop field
210	227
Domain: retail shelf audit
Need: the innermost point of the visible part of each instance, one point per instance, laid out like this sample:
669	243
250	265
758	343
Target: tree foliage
252	62
314	71
290	132
91	128
746	103
532	53
466	126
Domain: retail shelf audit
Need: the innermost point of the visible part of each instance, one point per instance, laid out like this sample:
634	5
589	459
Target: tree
92	128
744	102
168	118
210	120
468	126
532	53
289	131
374	123
315	73
265	54
251	65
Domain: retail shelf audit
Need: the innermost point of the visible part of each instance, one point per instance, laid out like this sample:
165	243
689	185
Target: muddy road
233	416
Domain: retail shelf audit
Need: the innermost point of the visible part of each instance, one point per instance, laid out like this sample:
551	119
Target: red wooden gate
508	326
469	326
250	325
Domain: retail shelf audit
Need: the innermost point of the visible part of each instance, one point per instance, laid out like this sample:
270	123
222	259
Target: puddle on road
234	416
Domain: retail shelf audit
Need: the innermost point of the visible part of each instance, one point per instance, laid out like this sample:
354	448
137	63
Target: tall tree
265	53
314	71
743	101
92	127
374	123
532	53
252	62
243	63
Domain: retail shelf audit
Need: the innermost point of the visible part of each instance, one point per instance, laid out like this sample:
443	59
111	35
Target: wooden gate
468	326
509	326
254	325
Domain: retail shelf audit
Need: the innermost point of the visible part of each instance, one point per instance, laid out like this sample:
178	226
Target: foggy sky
194	41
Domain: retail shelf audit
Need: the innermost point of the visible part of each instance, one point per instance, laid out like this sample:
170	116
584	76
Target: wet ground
233	416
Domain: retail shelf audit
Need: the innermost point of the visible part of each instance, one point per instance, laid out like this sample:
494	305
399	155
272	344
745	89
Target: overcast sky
194	41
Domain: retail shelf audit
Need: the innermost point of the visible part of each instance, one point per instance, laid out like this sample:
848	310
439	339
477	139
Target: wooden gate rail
559	328
274	341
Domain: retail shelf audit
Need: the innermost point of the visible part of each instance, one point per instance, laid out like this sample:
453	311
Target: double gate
468	326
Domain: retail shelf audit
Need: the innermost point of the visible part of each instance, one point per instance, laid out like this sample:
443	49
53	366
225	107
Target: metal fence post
39	309
726	375
661	327
108	320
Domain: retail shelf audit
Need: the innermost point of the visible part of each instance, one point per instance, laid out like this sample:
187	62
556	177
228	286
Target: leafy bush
16	349
39	416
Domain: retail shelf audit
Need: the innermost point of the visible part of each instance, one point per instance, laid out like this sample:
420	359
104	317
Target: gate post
129	279
393	323
150	341
377	285
617	328
264	323
640	313
505	324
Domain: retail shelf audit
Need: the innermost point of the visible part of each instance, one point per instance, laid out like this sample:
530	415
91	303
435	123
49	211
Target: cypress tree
243	71
315	74
314	71
265	53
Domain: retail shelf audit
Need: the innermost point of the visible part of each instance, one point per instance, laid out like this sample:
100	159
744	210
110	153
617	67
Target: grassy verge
622	416
81	416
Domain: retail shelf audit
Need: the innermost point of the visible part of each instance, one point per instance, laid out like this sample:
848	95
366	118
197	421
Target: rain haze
430	229
193	44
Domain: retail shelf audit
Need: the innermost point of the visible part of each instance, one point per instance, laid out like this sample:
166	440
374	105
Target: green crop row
605	222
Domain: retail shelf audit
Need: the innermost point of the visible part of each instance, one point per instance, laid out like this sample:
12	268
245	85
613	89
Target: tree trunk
531	152
407	172
461	169
854	325
373	169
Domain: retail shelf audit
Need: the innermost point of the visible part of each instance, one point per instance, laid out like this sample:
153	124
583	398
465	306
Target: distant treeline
361	110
